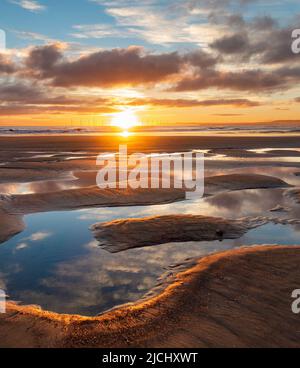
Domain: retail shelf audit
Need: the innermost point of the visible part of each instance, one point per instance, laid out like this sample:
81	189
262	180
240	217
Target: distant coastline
228	129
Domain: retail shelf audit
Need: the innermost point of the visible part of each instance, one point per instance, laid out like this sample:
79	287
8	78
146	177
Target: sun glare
125	120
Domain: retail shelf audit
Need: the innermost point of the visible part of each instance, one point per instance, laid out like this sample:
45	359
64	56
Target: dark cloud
16	109
200	59
23	99
41	60
184	103
261	39
6	65
18	92
236	20
237	43
32	94
104	68
264	23
245	80
131	66
277	48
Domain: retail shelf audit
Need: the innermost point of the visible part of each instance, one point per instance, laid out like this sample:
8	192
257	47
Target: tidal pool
56	263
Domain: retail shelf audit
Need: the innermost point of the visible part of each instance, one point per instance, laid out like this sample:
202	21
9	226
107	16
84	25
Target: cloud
42	59
264	23
117	67
31	5
167	22
24	98
21	246
244	80
6	65
33	36
21	92
261	40
15	109
185	103
278	47
133	67
38	236
83	31
237	43
220	47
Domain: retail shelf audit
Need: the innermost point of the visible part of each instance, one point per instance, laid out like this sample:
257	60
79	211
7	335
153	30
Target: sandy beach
233	298
149	178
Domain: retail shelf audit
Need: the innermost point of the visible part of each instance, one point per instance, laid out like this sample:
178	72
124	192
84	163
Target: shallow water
57	264
78	179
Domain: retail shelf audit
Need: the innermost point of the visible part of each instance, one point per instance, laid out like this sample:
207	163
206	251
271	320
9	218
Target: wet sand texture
232	182
293	194
88	197
13	206
10	225
119	235
239	298
93	196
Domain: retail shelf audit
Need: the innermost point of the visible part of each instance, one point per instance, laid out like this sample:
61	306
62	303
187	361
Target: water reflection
57	264
81	179
216	164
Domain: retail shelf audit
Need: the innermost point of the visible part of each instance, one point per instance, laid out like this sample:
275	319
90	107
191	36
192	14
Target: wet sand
10	225
120	235
13	207
239	298
233	182
293	194
144	143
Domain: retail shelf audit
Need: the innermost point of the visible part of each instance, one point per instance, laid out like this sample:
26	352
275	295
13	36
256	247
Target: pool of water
57	264
76	179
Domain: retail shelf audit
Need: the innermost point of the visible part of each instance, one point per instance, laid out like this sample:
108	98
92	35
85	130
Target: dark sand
239	298
145	144
10	225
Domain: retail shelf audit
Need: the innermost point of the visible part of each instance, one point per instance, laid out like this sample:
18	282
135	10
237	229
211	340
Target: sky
76	62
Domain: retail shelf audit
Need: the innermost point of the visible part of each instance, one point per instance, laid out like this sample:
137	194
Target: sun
125	120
